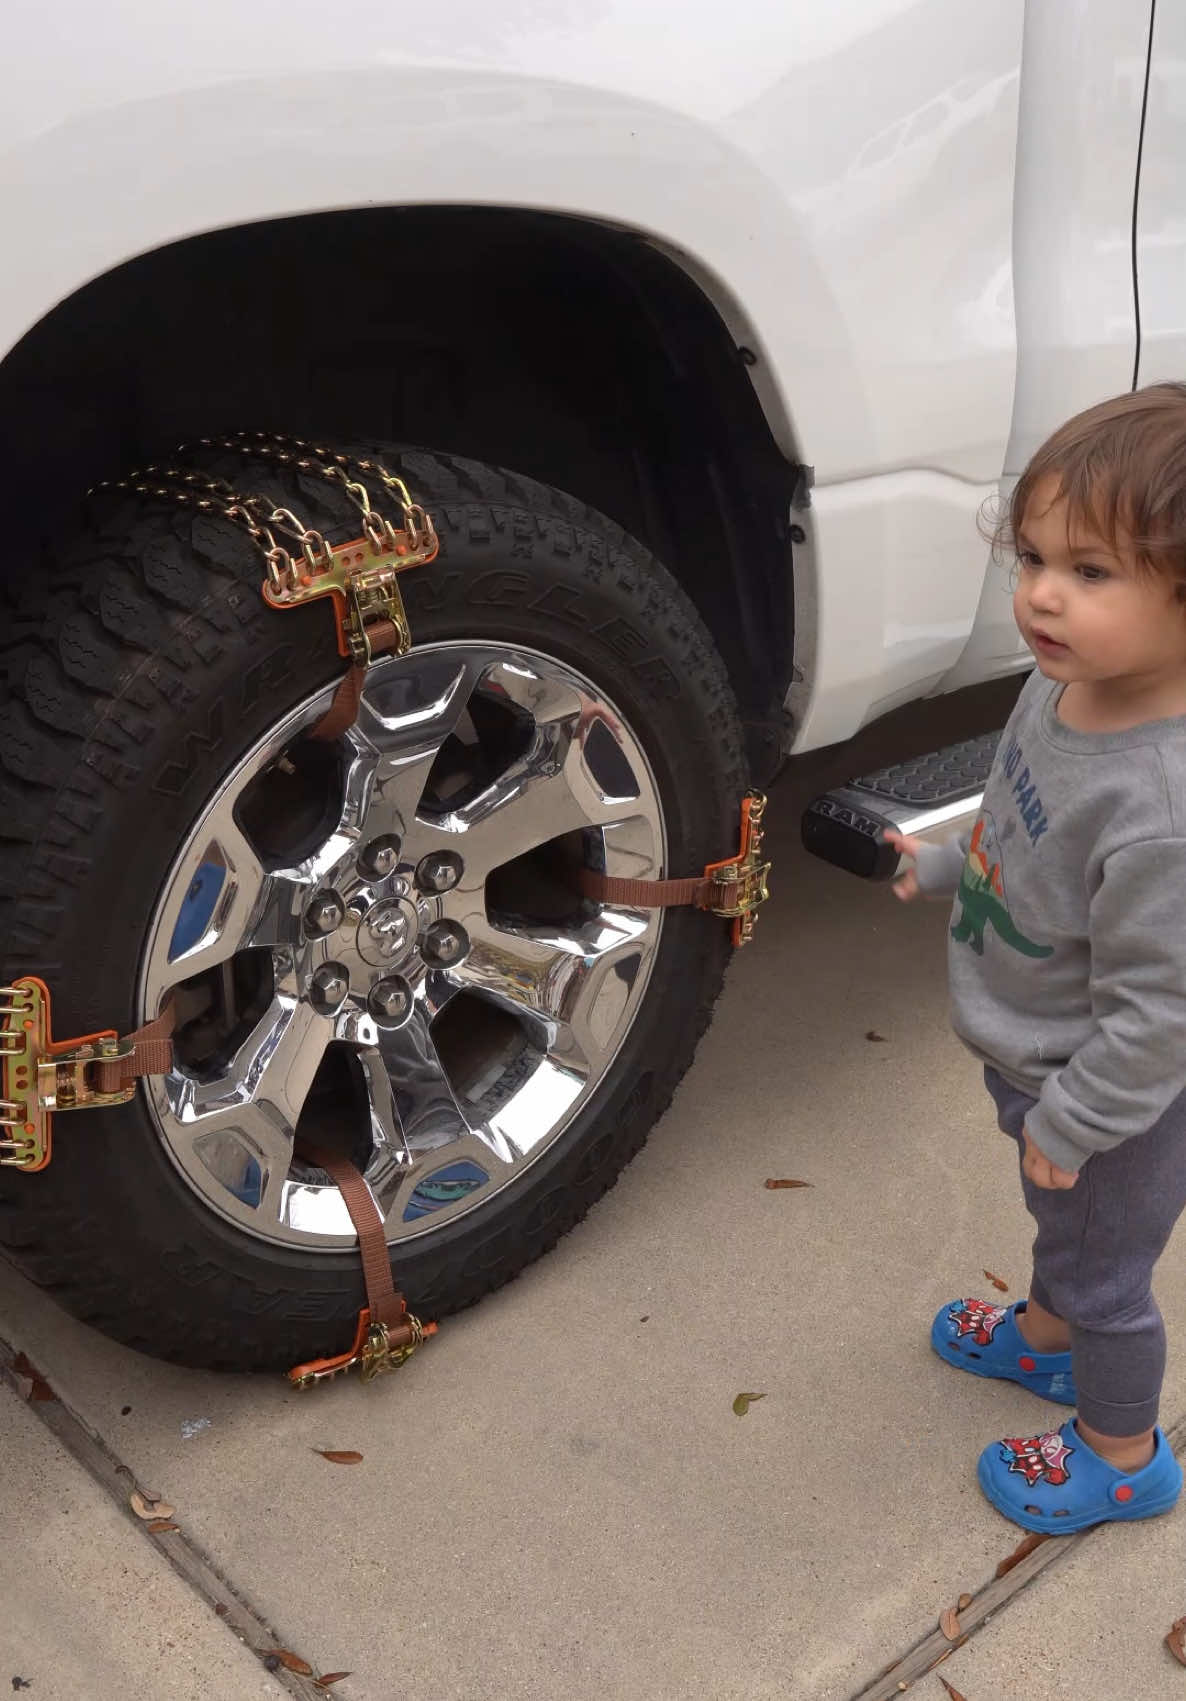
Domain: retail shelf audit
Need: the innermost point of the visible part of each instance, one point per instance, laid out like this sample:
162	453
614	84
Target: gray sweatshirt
1067	954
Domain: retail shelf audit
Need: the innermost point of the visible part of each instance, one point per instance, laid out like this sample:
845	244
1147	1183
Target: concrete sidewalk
88	1608
556	1498
1092	1629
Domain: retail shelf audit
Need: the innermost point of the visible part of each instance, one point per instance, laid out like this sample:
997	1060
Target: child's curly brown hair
1121	466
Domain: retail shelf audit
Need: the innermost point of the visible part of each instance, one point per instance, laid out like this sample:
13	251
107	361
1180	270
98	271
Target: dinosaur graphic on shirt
981	897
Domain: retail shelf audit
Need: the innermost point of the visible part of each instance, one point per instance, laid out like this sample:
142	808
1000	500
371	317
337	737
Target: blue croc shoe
975	1335
1055	1483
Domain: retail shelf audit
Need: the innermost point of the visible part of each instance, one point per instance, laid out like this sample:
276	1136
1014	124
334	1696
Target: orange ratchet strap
732	888
387	1334
40	1076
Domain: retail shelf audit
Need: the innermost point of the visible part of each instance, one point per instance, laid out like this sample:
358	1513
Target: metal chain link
255	515
187	488
361	576
315	460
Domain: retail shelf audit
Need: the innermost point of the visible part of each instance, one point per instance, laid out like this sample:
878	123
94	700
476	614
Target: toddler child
1067	960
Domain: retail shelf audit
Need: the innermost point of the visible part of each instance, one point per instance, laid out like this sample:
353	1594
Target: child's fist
1041	1171
906	885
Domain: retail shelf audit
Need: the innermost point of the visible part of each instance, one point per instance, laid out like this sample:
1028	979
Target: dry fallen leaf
773	1181
878	1039
742	1403
330	1677
1174	1640
953	1692
158	1526
39	1388
1001	1287
221	1608
149	1506
347	1458
949	1624
964	1601
1022	1551
290	1661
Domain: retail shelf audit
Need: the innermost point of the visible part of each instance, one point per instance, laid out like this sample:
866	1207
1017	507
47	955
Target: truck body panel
915	215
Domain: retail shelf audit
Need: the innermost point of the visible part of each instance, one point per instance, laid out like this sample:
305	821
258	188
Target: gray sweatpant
1094	1253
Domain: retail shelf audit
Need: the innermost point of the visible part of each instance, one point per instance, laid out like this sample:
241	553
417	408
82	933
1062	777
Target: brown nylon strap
385	1304
657	894
343	711
152	1054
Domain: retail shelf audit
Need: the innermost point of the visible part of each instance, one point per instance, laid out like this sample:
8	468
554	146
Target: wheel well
573	353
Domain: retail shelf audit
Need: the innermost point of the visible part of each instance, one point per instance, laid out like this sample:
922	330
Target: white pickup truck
700	337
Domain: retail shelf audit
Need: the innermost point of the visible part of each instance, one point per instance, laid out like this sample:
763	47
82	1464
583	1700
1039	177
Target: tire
147	678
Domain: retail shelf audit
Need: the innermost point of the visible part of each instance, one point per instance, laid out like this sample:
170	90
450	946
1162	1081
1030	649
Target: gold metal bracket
379	1356
39	1078
362	579
743	883
371	1354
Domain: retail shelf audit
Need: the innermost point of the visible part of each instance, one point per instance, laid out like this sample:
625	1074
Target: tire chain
60	1245
186	488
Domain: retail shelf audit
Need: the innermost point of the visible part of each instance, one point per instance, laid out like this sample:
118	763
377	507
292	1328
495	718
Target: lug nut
445	943
329	986
325	913
391	999
439	871
381	856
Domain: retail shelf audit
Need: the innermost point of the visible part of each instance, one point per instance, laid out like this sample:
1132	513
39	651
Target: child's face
1087	609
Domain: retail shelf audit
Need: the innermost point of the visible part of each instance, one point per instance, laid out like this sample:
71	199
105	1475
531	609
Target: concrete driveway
556	1498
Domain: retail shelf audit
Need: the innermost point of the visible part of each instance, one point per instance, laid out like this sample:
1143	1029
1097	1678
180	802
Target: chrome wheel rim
380	975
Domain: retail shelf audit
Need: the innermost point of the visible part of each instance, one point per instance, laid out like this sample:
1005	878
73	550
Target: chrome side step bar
933	797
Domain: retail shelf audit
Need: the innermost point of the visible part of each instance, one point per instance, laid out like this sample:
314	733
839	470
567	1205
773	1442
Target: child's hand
1041	1171
906	885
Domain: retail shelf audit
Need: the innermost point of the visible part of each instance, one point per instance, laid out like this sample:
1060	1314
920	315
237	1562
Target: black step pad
929	795
942	776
